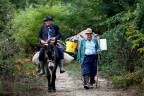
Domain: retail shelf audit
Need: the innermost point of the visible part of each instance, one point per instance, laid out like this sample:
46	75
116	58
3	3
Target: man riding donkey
87	55
49	31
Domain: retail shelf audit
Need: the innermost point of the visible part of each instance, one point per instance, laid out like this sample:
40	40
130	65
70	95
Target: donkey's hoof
54	90
49	90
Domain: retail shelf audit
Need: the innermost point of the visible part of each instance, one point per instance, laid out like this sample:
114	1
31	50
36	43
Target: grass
74	66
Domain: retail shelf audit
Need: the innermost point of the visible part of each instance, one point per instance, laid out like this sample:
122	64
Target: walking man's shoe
86	82
87	86
91	86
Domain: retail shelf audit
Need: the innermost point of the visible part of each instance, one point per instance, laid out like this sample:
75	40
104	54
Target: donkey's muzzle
51	65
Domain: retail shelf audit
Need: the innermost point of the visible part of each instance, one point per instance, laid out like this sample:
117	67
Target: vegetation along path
69	84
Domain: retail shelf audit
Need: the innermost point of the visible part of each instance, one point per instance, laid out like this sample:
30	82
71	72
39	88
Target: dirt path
68	84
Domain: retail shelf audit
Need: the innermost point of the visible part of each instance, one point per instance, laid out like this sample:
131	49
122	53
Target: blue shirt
49	31
90	48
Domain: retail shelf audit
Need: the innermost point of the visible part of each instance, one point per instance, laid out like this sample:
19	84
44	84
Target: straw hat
88	31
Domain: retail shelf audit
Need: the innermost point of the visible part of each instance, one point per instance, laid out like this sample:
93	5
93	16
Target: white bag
35	59
67	58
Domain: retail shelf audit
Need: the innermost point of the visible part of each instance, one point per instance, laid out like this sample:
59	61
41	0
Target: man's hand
54	38
43	42
98	52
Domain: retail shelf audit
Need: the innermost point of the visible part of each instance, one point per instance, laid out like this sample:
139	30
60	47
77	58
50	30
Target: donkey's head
51	64
50	53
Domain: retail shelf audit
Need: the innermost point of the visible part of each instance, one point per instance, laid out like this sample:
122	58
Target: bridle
50	61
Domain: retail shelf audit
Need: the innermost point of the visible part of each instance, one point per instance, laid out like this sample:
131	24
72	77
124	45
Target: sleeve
97	45
57	32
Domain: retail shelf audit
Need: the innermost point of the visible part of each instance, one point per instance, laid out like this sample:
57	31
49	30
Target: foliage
119	21
24	65
7	50
135	31
26	33
124	34
128	79
85	14
118	52
113	7
6	9
26	24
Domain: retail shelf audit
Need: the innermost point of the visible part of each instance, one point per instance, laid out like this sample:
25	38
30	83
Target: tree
5	13
112	7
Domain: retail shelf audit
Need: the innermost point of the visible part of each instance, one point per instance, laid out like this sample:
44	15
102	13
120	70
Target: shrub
127	80
26	23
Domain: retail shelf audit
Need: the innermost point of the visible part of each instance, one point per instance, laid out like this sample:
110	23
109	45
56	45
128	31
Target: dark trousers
42	54
89	66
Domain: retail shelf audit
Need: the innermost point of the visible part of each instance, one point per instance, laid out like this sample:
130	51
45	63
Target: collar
50	26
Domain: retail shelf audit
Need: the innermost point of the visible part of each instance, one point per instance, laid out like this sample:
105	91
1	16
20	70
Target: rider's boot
61	66
86	82
42	65
38	68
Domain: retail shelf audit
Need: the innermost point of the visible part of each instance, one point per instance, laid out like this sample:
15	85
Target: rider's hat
47	18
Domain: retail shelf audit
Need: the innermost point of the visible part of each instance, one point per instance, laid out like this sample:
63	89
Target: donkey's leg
54	79
48	75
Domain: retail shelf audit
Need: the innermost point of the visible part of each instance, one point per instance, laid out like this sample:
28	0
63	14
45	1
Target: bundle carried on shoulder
73	41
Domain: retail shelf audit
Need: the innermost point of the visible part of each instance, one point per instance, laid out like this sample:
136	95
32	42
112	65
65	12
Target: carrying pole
98	58
97	63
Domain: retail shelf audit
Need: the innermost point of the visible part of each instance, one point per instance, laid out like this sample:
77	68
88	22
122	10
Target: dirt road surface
69	84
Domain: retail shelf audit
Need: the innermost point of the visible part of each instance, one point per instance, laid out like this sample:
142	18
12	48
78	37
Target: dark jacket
43	35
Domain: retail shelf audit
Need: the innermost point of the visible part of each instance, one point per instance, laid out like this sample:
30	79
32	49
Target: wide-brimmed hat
48	18
88	31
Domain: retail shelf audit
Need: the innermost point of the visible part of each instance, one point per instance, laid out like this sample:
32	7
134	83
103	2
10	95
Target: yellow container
71	46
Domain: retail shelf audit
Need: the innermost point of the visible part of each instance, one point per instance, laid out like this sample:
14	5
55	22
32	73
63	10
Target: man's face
48	22
89	36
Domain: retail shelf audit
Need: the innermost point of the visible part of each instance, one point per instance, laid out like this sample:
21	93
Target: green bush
8	48
26	23
127	80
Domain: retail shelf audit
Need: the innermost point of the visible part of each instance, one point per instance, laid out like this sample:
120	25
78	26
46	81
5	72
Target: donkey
52	61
